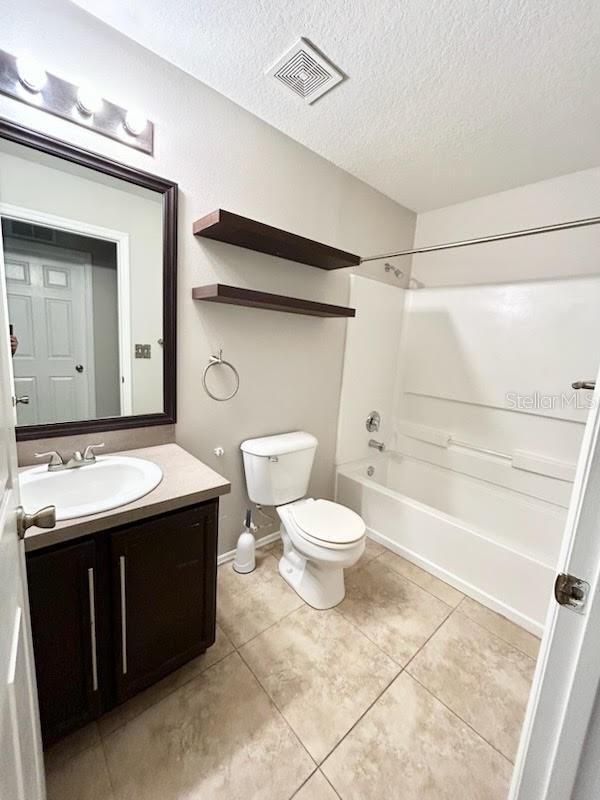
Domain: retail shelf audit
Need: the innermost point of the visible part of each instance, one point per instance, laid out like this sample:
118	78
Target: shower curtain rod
497	237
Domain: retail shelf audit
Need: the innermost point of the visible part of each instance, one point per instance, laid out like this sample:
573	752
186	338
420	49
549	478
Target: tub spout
377	445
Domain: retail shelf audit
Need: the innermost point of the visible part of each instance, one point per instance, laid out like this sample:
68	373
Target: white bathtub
494	544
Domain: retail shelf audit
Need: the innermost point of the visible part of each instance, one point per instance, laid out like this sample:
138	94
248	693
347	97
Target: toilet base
320	588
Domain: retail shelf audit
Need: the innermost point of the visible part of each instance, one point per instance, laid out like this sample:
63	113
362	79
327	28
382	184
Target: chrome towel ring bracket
213	361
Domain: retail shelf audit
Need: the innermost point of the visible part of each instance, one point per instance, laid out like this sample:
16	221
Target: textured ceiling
445	100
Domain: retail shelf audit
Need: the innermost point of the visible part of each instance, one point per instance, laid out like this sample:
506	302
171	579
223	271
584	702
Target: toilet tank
278	467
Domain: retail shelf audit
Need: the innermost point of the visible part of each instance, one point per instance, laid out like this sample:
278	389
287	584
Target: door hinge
571	592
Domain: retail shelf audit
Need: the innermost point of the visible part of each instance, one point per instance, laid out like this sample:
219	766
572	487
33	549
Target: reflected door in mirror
50	309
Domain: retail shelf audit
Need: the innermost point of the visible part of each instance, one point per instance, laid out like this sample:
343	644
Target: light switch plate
142	351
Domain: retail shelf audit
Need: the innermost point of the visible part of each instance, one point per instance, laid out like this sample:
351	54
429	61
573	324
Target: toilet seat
327	524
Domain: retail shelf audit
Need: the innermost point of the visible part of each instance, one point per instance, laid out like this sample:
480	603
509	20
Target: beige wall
222	156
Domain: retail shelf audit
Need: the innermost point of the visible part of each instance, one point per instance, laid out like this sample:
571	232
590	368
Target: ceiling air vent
306	72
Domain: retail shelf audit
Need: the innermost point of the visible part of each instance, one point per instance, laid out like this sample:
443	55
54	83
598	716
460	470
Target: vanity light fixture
135	123
89	101
25	80
31	74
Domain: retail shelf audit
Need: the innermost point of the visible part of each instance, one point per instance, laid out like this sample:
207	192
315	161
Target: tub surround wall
370	360
222	156
468	353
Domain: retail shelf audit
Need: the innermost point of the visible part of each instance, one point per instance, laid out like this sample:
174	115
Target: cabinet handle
93	628
123	614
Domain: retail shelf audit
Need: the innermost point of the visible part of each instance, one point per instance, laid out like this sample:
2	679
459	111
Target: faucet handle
55	458
88	453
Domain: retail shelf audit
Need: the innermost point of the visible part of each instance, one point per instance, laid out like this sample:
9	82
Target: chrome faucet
77	460
377	445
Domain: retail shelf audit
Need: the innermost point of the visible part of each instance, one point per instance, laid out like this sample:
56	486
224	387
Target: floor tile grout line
395	678
395	660
84	749
414	583
160	699
272	625
280	712
325	778
383	689
295	792
458	716
330	783
355	723
460	602
493	633
110	780
366	635
429	638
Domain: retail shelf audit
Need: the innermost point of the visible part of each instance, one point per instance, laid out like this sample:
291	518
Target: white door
50	310
567	677
21	772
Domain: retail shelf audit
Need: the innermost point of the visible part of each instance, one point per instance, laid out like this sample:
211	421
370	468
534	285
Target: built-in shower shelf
237	296
223	226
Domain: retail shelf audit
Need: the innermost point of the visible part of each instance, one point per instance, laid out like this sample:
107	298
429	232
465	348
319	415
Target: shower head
397	272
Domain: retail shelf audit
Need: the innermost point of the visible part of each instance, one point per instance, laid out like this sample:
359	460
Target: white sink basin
110	482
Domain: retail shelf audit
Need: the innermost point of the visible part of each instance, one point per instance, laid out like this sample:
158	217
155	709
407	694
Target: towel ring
212	362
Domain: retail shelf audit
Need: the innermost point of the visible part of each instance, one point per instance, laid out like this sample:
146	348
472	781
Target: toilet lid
328	522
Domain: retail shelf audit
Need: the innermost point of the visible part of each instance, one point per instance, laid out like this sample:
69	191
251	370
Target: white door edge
567	676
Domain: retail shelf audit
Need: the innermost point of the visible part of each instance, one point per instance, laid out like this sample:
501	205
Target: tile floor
406	690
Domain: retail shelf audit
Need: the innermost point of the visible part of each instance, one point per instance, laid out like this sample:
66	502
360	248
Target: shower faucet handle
373	421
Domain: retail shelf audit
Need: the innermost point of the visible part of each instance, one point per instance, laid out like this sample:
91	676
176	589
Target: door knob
23	399
79	368
44	518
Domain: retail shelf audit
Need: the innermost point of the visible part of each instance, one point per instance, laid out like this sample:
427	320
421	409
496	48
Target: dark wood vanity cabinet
61	583
165	614
114	612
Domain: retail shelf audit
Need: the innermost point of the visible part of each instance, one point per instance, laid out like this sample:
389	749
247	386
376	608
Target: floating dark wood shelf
243	232
235	295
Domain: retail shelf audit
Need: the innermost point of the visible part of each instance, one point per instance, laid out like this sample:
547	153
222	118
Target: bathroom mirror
90	258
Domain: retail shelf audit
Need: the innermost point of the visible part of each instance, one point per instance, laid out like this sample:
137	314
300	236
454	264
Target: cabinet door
62	599
164	578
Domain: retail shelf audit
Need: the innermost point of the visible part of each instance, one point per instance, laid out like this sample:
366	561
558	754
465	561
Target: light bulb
88	100
135	122
31	75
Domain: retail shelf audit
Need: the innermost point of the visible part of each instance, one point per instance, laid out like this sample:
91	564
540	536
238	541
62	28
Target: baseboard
262	542
458	583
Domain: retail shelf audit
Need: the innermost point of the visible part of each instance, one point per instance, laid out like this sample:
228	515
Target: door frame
121	240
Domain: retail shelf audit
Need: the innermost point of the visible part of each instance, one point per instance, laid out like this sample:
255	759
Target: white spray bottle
245	554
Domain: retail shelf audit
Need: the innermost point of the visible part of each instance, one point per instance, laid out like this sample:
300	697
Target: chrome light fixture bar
25	80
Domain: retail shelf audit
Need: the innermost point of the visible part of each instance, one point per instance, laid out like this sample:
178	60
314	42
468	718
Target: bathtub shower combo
462	529
453	472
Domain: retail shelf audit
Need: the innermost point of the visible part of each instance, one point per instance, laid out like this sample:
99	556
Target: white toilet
320	538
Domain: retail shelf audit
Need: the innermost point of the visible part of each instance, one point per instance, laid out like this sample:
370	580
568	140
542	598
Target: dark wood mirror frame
168	189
